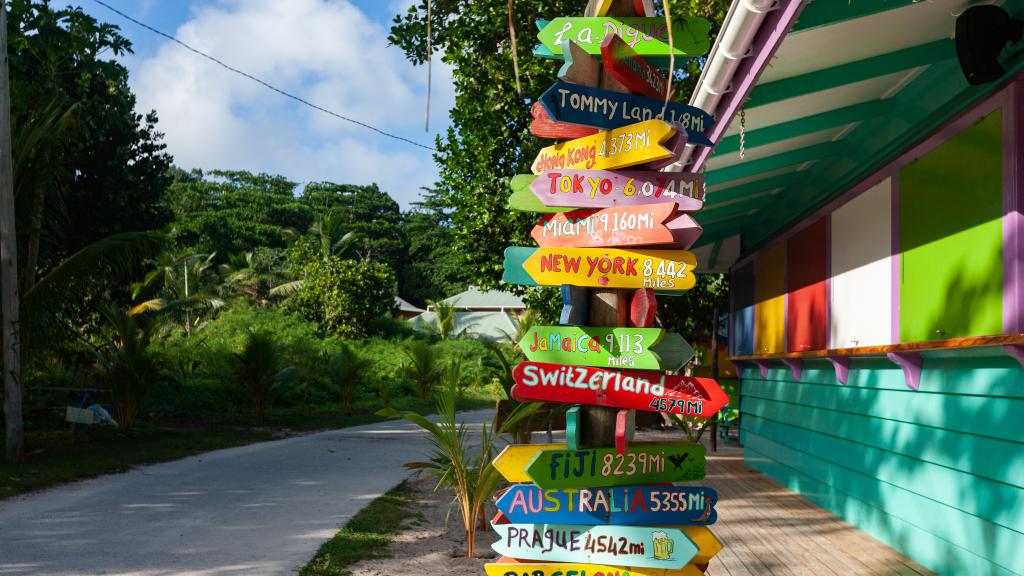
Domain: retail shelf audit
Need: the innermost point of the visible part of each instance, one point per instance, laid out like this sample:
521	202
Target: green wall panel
950	234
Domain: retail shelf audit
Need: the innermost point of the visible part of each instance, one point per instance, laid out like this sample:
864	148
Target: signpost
510	567
630	69
622	226
640	348
647	36
671	270
619	505
646	547
622	147
558	190
634	389
607	110
544	127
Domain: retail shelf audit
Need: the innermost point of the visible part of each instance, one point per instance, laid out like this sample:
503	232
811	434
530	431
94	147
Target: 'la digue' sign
618	505
647	36
631	389
629	545
621	226
622	147
600	268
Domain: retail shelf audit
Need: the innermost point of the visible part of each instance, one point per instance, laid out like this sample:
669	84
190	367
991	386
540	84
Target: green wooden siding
937	473
951	237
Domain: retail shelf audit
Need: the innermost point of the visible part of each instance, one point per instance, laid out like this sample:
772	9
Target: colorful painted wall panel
770	298
907	472
742	288
951	237
806	270
861	293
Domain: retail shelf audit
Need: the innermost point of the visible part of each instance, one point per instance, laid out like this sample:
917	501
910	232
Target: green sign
638	348
599	467
648	37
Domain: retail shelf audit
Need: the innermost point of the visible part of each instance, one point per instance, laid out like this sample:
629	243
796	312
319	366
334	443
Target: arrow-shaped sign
647	36
633	389
647	547
608	110
512	567
630	69
618	505
622	147
640	348
559	190
599	467
671	270
623	226
544	127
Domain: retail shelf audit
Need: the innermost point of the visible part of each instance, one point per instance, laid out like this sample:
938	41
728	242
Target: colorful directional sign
671	270
608	110
559	190
579	67
622	147
631	70
634	389
640	348
511	567
552	466
646	547
647	36
649	225
544	127
619	505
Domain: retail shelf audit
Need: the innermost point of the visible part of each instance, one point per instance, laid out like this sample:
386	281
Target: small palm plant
345	369
124	361
420	366
258	366
447	319
456	465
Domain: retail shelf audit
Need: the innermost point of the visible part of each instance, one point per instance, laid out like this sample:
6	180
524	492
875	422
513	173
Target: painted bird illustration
678	460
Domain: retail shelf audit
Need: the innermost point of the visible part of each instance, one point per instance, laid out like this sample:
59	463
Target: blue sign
606	110
618	505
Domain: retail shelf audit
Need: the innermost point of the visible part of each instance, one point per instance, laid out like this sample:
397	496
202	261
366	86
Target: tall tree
434	270
10	357
489	140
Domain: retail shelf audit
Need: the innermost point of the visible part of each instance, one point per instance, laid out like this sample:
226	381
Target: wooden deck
767	529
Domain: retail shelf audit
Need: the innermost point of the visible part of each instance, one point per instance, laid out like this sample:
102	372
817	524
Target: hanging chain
743	133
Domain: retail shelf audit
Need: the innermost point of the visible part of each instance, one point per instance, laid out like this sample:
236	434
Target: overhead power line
262	82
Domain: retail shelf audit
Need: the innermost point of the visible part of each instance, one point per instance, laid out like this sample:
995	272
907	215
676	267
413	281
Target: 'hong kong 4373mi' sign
671	270
629	389
622	147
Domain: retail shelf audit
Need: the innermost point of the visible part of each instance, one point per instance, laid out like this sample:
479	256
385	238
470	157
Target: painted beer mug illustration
663	546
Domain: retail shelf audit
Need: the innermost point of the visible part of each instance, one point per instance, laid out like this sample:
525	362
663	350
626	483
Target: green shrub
345	297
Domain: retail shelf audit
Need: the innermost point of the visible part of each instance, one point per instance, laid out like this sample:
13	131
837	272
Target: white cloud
327	52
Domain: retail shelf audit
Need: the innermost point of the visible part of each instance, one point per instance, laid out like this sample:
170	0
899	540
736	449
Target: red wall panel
806	269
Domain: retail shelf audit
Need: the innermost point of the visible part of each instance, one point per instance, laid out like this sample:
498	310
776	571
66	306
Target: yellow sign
705	540
619	148
613	268
512	568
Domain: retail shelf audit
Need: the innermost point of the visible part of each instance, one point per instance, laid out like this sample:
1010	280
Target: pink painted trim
769	37
1016	351
895	261
1013	203
828	282
796	367
912	366
841	364
938	136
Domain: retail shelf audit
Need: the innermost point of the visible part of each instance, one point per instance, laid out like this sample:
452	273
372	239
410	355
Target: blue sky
331	52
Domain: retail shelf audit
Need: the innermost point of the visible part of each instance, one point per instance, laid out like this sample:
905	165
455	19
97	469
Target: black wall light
981	34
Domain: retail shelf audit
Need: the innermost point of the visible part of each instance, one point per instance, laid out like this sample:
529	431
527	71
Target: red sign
544	127
648	225
629	68
647	390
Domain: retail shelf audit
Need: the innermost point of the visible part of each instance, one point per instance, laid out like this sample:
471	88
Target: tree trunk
10	337
35	232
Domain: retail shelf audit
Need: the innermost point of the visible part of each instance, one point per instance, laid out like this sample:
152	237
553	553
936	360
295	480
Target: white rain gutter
732	46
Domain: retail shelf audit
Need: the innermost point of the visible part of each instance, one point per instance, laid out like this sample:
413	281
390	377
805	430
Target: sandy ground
432	548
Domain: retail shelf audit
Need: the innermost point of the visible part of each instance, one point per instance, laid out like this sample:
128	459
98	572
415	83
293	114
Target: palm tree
327	230
180	287
345	368
258	366
447	321
257	278
124	361
420	366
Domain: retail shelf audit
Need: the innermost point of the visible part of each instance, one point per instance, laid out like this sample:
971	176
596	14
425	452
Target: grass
56	456
366	536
